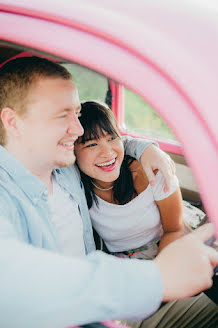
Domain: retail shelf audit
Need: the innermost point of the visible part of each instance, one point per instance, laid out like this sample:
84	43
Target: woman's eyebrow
90	139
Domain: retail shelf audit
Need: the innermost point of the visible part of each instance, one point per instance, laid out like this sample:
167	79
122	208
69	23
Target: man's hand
154	158
187	265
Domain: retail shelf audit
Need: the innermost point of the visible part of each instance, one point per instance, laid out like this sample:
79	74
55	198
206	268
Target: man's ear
9	120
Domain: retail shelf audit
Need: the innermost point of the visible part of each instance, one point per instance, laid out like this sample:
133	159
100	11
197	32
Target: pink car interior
166	52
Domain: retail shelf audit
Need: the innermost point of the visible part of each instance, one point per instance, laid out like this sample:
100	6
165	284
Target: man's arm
152	158
43	289
40	288
187	265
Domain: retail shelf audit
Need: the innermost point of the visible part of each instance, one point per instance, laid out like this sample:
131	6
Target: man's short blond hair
16	79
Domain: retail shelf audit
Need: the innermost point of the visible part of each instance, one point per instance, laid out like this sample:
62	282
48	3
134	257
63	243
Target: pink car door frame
164	51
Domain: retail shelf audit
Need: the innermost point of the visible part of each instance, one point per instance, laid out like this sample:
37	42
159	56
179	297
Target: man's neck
46	179
41	172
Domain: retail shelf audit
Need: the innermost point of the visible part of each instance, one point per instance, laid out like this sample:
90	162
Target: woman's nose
106	150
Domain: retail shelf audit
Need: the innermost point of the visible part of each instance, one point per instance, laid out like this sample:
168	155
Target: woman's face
101	159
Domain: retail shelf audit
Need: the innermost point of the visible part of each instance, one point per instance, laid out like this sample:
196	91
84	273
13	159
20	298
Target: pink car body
166	51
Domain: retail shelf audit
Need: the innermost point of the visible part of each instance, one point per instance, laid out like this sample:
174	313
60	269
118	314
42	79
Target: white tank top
129	226
67	221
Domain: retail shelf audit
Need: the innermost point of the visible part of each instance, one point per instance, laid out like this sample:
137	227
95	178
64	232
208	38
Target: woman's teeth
107	163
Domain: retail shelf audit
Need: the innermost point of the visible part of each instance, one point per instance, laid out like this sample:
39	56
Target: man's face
49	129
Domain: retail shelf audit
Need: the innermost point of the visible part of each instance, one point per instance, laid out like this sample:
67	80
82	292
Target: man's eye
62	116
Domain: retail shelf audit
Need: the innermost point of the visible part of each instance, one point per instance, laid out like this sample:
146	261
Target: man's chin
65	162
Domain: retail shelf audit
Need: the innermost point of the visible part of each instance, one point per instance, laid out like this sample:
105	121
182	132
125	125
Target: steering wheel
212	293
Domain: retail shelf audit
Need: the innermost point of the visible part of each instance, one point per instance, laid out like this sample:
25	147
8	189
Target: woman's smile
101	158
107	166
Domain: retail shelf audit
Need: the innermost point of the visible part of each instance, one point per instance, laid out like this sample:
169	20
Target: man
45	231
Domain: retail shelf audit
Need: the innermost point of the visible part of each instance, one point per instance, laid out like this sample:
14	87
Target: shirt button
45	193
35	200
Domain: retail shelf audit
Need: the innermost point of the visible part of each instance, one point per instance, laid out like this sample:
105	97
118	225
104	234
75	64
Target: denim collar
31	185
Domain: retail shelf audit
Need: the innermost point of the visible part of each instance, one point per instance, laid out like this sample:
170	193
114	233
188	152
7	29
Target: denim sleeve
47	290
40	288
135	147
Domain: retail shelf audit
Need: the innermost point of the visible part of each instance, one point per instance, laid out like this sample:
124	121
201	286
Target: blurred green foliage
91	85
147	121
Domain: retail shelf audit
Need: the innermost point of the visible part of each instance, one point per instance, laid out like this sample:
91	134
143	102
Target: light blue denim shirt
58	291
25	199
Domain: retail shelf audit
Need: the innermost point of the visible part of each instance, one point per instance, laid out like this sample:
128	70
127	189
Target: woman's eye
91	145
112	138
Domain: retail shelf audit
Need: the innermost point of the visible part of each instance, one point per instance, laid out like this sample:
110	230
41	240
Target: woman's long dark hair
97	119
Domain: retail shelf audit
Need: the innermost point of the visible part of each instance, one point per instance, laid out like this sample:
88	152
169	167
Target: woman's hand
153	158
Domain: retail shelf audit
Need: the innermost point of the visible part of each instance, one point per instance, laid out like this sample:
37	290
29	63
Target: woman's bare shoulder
140	179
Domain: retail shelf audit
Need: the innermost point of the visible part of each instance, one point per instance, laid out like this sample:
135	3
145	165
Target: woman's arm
152	158
171	218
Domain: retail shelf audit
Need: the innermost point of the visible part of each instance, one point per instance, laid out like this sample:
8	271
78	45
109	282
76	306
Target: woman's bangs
97	129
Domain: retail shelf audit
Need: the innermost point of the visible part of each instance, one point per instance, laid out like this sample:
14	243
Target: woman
133	218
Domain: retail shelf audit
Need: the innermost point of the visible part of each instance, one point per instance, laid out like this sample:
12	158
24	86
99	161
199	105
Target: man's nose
75	128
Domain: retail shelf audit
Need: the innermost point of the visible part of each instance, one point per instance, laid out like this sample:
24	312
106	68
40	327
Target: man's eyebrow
67	110
64	110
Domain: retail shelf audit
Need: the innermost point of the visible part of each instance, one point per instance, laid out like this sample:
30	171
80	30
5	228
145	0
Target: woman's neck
102	185
104	192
